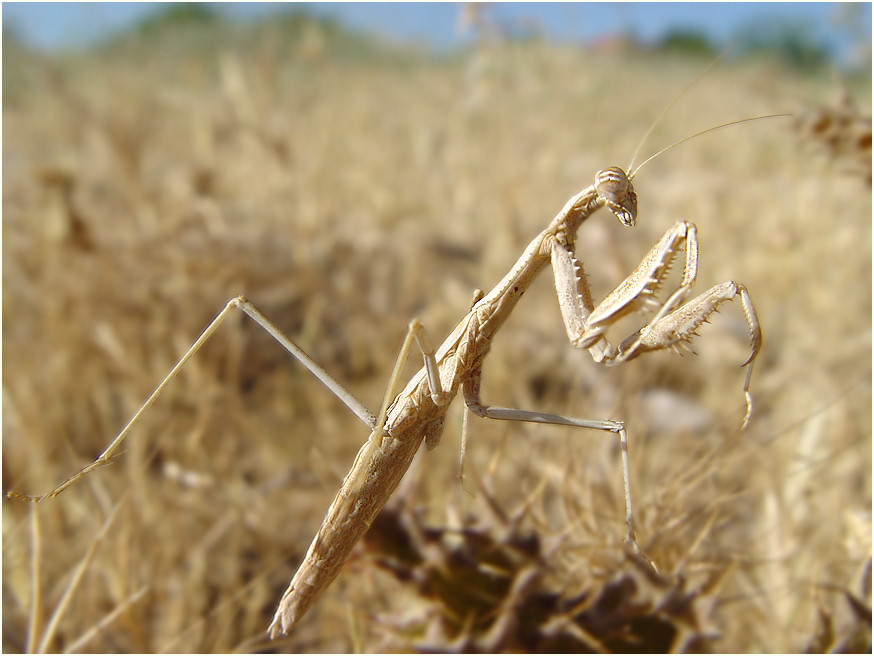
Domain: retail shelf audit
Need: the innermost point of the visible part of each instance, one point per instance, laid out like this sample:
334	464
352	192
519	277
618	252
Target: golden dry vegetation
143	189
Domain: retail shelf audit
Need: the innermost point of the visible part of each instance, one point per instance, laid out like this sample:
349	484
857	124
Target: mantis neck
495	306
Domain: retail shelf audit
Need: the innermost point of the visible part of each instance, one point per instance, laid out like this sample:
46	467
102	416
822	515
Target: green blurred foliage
687	43
793	43
197	29
178	15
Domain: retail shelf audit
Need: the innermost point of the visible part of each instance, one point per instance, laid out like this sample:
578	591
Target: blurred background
350	167
806	34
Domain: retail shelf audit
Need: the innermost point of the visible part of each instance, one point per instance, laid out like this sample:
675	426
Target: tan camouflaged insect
418	413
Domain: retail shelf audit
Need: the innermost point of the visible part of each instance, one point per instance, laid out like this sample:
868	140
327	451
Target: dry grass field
143	189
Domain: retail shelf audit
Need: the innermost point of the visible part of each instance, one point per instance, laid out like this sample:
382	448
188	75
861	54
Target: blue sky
56	25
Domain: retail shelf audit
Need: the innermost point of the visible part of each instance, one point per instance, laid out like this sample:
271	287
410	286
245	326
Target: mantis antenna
698	134
671	104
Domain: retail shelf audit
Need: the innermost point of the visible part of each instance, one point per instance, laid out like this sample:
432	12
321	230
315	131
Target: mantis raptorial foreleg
674	323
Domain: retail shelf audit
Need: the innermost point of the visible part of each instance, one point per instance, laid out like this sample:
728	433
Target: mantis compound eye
617	191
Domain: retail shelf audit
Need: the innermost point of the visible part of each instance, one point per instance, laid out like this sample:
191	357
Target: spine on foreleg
374	476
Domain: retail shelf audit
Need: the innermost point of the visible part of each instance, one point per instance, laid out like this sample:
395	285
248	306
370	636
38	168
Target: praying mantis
417	414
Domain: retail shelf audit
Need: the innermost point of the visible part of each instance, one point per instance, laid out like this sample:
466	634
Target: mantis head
614	186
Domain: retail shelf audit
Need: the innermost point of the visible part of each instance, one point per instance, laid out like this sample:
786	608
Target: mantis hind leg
243	304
